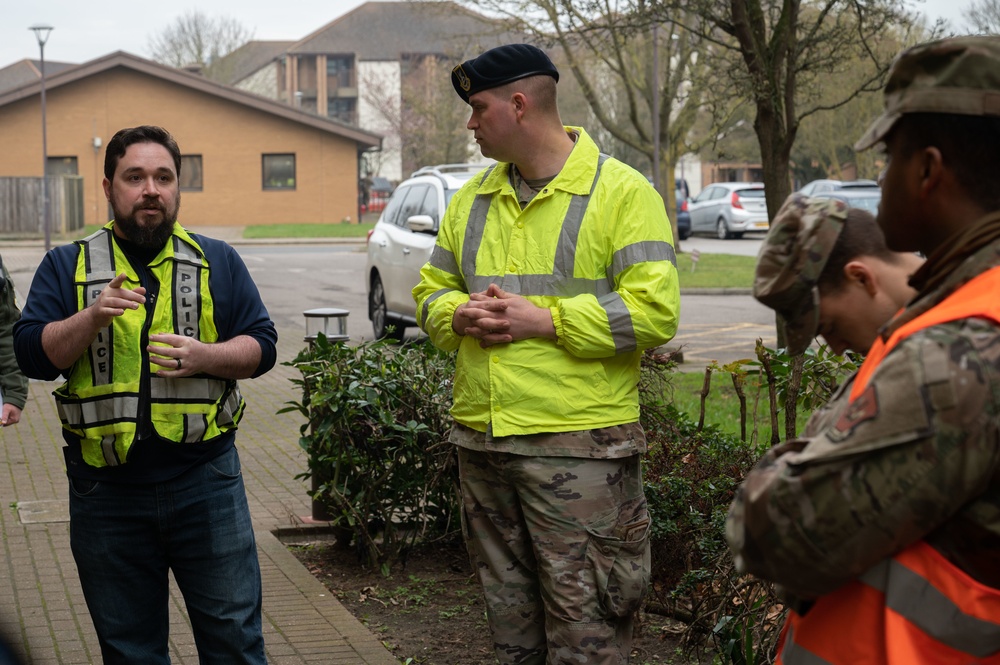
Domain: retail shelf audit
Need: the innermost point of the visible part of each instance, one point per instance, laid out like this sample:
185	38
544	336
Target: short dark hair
120	142
861	236
969	145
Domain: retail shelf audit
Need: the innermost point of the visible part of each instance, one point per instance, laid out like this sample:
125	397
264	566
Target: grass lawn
722	407
716	271
308	230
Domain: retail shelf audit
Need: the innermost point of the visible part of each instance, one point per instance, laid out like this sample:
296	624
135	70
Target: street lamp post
42	35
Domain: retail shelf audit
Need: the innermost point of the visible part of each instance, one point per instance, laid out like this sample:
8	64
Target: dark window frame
266	177
186	172
51	160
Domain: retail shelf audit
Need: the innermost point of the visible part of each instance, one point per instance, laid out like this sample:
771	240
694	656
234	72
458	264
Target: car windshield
750	193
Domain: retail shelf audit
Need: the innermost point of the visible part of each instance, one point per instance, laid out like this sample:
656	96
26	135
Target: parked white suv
401	243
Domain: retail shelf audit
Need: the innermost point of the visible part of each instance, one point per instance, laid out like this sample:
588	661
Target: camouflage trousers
561	549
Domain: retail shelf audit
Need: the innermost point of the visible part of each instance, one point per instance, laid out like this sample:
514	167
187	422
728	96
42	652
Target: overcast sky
87	29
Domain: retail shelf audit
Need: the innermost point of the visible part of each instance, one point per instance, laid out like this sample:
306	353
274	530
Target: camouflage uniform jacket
922	462
13	383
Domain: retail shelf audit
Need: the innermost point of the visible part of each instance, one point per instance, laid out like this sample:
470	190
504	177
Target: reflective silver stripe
620	320
229	409
546	285
191	390
474	235
565	258
195	426
561	281
794	654
918	601
185	252
99	269
80	414
187	297
108	450
98	253
424	311
641	252
444	260
474	228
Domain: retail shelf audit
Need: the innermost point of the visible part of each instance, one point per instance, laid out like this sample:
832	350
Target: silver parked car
729	209
401	243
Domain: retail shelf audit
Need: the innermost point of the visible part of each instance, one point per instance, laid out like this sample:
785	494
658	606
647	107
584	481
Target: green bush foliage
376	440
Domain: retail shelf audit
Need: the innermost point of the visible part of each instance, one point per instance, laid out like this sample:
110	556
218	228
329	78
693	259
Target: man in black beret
553	272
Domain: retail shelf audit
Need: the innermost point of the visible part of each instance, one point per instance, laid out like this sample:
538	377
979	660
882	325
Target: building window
279	171
61	166
339	71
341	108
190	176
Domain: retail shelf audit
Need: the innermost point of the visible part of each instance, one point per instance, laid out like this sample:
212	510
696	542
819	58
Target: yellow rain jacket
594	246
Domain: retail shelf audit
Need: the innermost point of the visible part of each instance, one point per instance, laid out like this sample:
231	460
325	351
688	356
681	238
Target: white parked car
729	209
401	243
818	187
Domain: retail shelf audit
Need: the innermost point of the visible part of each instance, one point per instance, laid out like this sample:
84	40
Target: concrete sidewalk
42	610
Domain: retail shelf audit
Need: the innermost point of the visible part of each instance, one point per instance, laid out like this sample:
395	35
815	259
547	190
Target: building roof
391	30
121	59
29	71
250	57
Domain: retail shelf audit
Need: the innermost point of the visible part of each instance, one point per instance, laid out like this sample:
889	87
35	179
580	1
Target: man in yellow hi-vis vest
553	272
152	326
885	523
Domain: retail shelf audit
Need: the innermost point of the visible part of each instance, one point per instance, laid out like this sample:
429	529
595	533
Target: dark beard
147	236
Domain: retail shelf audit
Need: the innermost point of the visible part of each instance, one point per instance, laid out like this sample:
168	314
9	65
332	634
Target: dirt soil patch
431	611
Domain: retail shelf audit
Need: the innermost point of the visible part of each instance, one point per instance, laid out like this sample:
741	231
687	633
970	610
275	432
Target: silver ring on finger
178	363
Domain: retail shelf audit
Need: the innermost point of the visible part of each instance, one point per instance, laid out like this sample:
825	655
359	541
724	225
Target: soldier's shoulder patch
862	409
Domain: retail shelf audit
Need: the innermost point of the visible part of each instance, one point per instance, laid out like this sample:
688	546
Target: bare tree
610	49
422	117
788	48
196	39
983	17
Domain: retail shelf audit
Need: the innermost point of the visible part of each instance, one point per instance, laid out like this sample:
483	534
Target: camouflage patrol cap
791	259
959	75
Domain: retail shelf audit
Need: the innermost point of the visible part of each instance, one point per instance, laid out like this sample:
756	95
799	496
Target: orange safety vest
915	607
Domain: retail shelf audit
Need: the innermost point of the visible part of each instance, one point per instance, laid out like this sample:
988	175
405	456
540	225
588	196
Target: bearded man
151	326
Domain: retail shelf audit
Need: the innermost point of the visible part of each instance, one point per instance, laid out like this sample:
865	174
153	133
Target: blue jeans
125	538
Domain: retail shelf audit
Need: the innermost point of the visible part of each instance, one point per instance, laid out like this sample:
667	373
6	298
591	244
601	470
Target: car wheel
683	235
721	230
381	324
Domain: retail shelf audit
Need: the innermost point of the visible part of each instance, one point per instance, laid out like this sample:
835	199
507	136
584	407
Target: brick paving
42	610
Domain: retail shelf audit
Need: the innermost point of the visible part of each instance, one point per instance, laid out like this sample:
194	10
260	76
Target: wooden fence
21	205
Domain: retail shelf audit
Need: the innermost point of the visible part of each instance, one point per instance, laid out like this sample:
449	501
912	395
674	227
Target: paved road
295	278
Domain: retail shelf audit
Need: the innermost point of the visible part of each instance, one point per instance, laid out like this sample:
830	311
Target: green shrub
691	476
375	436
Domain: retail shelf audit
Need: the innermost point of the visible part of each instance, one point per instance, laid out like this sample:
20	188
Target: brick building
246	159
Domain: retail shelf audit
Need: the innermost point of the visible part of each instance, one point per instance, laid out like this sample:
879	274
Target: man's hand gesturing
114	300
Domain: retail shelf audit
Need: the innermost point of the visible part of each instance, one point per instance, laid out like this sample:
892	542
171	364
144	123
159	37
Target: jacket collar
576	176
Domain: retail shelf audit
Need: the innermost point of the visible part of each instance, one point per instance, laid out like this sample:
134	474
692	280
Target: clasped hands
495	316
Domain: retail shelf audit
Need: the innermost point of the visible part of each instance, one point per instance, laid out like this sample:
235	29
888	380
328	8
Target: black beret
501	65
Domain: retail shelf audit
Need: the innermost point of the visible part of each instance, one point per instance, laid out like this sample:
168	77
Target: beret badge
463	78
